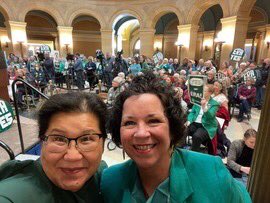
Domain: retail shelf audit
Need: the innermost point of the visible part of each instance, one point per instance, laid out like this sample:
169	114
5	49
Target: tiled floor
29	129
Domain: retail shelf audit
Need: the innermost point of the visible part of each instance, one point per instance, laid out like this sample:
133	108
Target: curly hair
149	83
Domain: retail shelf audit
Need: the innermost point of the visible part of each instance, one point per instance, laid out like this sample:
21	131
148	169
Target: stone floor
29	130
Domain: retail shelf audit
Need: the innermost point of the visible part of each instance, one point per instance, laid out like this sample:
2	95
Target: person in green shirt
72	133
147	121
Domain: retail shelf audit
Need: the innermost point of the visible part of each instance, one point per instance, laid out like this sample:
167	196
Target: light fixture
158	46
5	40
180	45
67	45
219	39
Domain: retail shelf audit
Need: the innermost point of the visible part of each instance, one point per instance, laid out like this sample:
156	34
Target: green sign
250	74
237	54
196	88
158	56
6	116
45	49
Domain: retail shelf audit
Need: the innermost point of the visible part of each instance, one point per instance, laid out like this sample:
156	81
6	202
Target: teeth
144	147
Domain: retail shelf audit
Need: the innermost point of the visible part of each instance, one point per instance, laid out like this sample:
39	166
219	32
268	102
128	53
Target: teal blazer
194	177
209	120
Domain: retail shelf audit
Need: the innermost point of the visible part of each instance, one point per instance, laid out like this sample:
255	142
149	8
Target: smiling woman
147	121
72	131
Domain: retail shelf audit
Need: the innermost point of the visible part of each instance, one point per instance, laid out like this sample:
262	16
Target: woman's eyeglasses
59	143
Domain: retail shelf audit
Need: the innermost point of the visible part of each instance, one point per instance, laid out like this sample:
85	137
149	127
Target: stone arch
170	24
200	7
158	13
243	8
133	41
43	15
128	12
75	12
4	10
49	10
259	12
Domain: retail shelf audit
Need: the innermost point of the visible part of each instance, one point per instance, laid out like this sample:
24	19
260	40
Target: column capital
17	24
147	30
187	27
267	27
106	30
235	19
64	28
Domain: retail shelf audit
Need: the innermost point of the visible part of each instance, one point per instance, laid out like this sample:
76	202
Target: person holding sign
202	123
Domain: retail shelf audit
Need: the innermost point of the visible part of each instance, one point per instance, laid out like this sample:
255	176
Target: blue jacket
78	65
194	177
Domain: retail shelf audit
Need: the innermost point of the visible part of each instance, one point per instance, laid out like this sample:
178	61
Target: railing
7	149
16	106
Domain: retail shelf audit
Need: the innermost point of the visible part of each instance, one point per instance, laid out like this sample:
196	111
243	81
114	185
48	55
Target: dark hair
250	132
149	83
72	102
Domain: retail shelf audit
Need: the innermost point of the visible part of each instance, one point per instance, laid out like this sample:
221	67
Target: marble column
265	37
187	36
233	33
3	78
259	181
18	37
106	40
65	40
147	36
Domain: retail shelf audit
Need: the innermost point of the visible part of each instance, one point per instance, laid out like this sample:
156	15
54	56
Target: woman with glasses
147	121
72	132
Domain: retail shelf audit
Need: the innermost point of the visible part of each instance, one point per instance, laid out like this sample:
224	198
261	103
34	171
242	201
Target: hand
203	102
245	169
187	123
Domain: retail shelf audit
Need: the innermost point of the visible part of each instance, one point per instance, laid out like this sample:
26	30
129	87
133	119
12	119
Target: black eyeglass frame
45	138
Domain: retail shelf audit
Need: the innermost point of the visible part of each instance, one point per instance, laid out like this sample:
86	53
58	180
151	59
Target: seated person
240	155
115	90
202	123
211	77
72	132
147	121
220	94
246	95
179	95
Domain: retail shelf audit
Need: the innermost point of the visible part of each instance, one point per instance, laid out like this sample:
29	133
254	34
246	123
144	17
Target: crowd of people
227	86
154	137
235	84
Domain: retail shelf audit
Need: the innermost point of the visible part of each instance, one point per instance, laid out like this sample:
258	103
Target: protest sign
196	88
237	54
250	74
6	116
158	56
